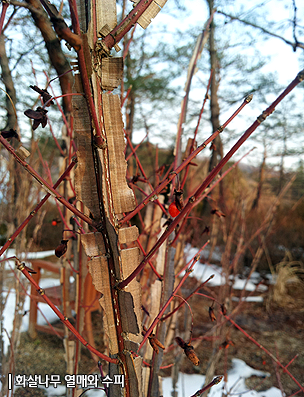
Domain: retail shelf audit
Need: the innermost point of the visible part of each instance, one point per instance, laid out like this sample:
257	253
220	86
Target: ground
279	329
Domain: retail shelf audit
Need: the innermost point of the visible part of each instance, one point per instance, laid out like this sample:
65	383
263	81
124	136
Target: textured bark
53	46
217	148
6	77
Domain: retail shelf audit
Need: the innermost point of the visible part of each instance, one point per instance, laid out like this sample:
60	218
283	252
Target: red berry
54	223
173	211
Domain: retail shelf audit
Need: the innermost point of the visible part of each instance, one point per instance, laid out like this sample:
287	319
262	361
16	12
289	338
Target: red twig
150	263
198	252
172	175
222	176
84	77
65	321
158	317
30	296
58	207
278	376
128	45
2	17
215	381
26	221
136	147
292	360
266	351
126	24
143	172
196	129
192	200
187	298
61	96
44	184
126	96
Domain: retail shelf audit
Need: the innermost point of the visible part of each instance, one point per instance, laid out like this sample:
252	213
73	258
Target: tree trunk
217	147
11	121
256	201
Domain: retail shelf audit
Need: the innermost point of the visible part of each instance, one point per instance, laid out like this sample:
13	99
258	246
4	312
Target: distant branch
294	45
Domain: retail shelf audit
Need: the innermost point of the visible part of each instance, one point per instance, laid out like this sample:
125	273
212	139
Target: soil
279	329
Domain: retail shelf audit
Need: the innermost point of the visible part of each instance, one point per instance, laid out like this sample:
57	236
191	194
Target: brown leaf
154	342
158	343
38	115
61	249
44	94
154	345
190	353
211	314
10	134
188	349
181	343
206	230
179	201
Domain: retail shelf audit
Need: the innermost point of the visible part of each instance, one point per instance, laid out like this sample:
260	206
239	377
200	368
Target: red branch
172	175
45	184
26	221
2	17
158	317
266	351
65	320
192	200
126	24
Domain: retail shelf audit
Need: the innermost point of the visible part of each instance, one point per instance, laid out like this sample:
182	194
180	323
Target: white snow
189	384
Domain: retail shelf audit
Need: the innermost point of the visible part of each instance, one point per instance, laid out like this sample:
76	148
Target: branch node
20	266
262	117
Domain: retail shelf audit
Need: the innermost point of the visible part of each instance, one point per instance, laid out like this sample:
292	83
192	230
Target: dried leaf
188	349
211	314
61	249
179	201
10	134
38	115
190	353
44	95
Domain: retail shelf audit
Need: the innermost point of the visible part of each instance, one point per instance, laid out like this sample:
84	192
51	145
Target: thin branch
193	199
294	45
2	17
33	213
172	175
159	316
215	381
66	322
45	184
266	351
126	24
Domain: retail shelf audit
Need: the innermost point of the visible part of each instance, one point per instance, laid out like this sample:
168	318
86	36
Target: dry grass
289	279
